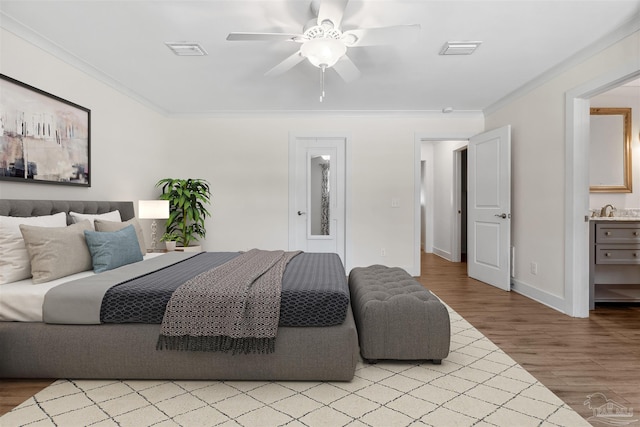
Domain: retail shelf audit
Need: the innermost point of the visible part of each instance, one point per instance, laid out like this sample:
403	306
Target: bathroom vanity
614	253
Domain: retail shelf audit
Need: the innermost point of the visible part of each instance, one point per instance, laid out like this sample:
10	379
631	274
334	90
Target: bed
34	349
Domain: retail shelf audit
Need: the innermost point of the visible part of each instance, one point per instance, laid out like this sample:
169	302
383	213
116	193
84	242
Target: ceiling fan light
349	39
327	25
323	52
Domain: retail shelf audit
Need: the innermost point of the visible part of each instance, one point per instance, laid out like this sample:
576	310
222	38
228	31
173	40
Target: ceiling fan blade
264	37
346	69
331	10
286	65
382	36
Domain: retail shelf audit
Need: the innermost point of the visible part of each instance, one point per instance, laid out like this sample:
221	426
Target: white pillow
109	216
14	258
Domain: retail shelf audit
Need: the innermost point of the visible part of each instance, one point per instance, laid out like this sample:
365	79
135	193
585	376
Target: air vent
459	48
186	48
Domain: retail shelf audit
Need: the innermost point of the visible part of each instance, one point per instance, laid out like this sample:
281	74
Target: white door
317	194
489	207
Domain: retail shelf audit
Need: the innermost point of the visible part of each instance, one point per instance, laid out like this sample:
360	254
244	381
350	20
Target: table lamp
153	209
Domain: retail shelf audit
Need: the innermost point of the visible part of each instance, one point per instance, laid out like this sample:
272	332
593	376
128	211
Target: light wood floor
572	357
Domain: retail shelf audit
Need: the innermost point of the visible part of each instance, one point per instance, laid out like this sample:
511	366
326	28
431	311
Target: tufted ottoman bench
396	317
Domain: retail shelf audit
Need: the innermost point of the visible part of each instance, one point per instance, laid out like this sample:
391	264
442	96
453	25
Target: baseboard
543	297
442	254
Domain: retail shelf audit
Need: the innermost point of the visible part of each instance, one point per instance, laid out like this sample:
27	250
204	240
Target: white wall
622	97
128	144
244	158
127	139
538	168
246	161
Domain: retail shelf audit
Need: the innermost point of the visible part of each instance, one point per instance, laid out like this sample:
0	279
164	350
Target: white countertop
614	218
622	214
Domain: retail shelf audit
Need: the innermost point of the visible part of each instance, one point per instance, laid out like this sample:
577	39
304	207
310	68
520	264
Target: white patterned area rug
477	385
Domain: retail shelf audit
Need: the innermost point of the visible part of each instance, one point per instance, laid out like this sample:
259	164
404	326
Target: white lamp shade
153	209
323	52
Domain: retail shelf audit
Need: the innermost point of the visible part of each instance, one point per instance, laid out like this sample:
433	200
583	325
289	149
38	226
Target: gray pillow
57	251
102	225
109	216
113	249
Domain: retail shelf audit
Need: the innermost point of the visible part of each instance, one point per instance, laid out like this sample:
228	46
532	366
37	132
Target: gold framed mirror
610	150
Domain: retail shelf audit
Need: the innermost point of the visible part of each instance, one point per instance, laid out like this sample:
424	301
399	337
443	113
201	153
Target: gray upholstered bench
396	317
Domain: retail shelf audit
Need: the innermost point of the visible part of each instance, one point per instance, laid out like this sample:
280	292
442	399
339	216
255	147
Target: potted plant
169	240
188	199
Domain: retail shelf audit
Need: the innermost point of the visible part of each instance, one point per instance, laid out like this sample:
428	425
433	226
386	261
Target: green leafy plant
169	237
188	199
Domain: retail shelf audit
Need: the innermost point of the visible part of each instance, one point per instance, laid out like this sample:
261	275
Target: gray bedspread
314	291
79	301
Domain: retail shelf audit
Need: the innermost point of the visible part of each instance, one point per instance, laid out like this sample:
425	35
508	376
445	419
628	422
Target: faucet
603	211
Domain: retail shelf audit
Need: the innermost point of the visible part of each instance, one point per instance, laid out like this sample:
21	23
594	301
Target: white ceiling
123	43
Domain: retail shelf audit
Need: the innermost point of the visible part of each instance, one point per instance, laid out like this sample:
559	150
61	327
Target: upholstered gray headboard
10	207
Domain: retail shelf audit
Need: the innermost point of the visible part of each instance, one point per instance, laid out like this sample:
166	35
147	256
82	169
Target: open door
489	207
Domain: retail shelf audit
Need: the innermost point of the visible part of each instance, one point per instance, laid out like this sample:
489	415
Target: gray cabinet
614	273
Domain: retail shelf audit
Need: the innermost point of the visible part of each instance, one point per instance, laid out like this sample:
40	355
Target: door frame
419	138
346	136
576	225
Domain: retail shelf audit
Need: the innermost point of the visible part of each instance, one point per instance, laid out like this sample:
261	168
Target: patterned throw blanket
234	307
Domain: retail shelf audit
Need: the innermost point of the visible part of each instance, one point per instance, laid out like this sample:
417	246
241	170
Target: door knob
301	213
503	216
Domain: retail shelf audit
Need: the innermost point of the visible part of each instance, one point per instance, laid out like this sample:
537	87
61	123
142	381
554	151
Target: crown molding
28	34
31	36
625	30
418	114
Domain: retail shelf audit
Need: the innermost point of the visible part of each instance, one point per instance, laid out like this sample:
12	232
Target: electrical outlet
383	252
395	202
534	268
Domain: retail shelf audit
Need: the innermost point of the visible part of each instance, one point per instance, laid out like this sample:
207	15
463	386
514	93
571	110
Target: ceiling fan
324	43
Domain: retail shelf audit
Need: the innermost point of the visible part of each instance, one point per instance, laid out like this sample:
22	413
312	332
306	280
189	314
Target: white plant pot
171	246
190	248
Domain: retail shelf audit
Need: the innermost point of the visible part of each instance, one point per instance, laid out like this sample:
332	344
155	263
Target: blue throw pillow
111	250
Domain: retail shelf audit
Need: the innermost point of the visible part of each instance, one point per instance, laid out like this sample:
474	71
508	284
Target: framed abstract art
43	138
